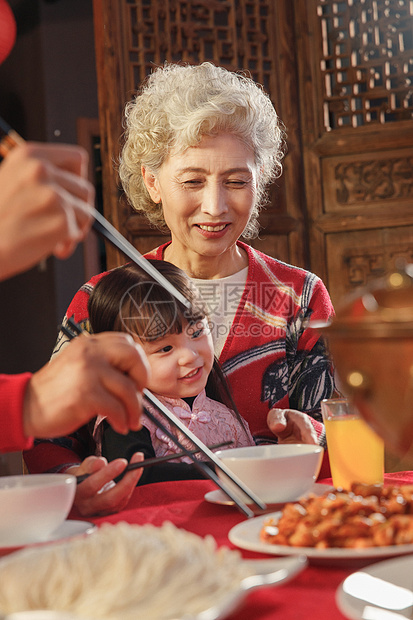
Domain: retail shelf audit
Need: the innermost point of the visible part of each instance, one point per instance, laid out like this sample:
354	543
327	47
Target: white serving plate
246	535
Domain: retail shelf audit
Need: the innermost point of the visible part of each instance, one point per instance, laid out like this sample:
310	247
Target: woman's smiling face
207	194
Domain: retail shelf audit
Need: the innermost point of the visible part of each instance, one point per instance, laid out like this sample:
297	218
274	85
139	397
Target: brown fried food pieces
366	516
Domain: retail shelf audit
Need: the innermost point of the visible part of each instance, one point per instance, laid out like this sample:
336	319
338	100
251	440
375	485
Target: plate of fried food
367	522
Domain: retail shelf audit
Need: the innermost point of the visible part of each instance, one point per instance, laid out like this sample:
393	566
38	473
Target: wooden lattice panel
230	33
366	61
356	258
368	179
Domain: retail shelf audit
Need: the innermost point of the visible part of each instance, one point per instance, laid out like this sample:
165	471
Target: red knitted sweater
270	357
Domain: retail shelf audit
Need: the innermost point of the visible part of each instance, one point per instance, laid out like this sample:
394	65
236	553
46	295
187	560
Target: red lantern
7	30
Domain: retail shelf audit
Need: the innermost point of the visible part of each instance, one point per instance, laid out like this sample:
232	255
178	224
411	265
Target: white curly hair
179	104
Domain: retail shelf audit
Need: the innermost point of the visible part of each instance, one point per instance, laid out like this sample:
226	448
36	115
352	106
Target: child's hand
98	494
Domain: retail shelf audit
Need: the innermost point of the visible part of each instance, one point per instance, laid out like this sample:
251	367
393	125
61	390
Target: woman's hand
98	495
291	426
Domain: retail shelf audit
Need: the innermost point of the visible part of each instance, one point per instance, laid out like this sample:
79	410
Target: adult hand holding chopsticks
45	204
99	374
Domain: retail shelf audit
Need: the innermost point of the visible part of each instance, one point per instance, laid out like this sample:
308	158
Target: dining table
311	594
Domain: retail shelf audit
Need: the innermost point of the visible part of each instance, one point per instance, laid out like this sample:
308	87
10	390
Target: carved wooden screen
133	36
356	93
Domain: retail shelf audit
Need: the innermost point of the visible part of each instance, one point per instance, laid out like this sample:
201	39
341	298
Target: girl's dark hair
128	299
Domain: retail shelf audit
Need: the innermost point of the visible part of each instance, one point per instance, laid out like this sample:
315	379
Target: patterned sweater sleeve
310	368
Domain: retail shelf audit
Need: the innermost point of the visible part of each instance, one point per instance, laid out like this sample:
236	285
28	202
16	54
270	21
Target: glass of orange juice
355	451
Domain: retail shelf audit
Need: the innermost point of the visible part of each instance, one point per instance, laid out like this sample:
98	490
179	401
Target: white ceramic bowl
33	506
275	473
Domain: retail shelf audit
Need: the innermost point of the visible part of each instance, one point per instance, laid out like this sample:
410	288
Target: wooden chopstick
9	140
157	460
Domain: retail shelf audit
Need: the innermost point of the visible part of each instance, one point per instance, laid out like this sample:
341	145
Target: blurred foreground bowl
33	506
275	473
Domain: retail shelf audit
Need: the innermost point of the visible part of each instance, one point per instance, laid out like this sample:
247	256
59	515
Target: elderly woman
201	146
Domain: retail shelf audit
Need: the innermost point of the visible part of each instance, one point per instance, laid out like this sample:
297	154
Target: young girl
184	374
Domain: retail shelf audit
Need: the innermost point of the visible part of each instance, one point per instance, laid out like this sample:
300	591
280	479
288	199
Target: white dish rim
68	529
217	496
245	535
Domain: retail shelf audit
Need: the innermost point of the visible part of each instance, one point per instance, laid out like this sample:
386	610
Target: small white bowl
275	473
33	506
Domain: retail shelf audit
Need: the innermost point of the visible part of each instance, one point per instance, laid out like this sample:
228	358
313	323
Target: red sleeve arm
46	456
12	390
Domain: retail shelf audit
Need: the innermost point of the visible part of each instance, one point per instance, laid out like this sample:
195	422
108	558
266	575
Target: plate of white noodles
132	571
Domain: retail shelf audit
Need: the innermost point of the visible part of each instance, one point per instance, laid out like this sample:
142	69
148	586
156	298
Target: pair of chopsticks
157	460
72	329
8	140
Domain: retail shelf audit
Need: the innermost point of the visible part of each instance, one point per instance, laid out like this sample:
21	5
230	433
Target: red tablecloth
310	595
